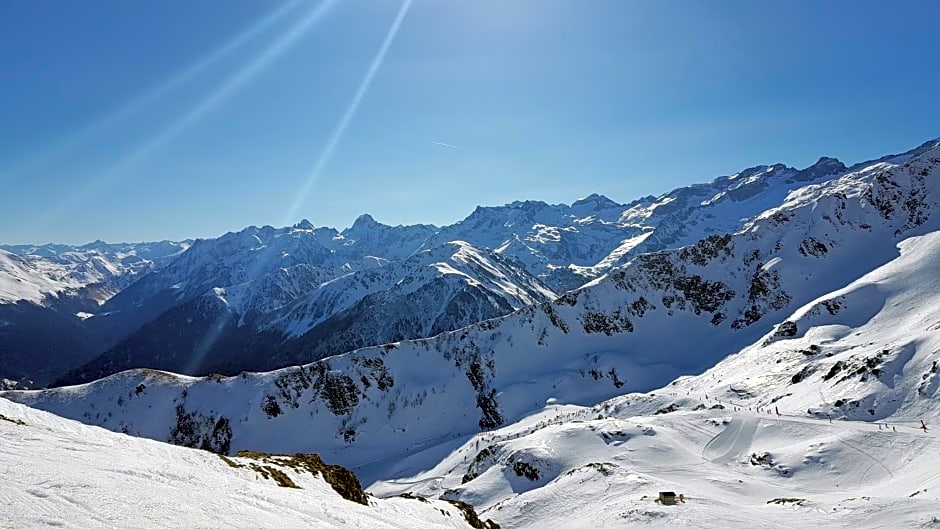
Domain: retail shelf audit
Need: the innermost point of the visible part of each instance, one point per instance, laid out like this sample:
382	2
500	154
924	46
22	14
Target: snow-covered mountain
433	291
773	354
689	214
265	297
566	246
553	242
47	291
59	473
22	280
226	330
483	269
263	269
90	272
661	315
816	422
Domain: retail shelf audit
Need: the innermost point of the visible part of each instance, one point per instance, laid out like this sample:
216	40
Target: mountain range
750	340
265	298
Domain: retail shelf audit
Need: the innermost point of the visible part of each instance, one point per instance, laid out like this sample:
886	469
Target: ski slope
733	442
603	466
59	473
777	422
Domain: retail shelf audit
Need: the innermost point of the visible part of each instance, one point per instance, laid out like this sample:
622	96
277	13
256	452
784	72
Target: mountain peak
924	147
824	166
303	225
95	244
364	221
827	161
597	201
527	205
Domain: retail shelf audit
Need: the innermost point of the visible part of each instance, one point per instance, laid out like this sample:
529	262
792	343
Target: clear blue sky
172	119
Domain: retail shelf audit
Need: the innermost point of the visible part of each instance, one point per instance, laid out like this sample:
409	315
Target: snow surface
59	473
36	273
603	467
20	280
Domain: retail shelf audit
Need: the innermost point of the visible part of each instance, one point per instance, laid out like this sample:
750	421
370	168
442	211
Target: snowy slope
799	414
602	467
93	271
662	315
21	280
869	351
59	473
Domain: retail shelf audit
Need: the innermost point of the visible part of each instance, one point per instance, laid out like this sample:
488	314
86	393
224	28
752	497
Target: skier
923	426
776	409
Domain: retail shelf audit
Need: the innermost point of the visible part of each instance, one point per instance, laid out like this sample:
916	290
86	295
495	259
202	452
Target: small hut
667	498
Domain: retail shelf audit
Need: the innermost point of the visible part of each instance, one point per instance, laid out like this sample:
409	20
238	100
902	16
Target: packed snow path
733	442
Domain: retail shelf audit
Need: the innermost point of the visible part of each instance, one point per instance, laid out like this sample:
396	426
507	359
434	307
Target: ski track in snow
734	441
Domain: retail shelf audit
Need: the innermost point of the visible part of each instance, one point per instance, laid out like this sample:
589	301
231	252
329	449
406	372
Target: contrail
149	97
208	103
451	145
327	152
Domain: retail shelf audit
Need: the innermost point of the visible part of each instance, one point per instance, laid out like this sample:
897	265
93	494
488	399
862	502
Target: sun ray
215	330
146	99
207	104
350	112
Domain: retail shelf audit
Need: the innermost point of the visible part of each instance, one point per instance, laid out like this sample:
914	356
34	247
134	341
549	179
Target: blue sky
134	121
